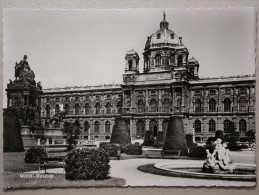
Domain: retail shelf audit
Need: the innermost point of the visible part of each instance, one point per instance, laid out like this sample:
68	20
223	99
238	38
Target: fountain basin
242	172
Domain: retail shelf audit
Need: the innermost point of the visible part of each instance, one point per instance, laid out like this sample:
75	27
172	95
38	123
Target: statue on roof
164	14
23	71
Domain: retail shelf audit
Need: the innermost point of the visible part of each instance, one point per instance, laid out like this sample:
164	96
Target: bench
171	153
153	153
51	162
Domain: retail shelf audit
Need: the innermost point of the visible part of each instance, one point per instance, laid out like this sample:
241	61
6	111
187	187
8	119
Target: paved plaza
127	169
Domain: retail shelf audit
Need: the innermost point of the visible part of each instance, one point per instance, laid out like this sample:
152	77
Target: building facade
169	85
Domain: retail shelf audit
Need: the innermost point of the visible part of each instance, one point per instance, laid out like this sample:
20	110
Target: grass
14	167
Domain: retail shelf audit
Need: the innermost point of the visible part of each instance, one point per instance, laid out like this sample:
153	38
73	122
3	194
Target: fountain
217	166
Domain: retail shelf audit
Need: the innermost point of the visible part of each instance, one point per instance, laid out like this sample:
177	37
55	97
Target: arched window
227	105
108	108
48	111
46	124
153	105
87	109
97	108
153	127
66	108
107	127
212	105
141	106
226	125
57	109
119	107
166	105
56	124
242	104
212	126
242	125
158	60
180	61
179	103
130	64
86	126
166	61
77	109
197	105
197	126
140	129
96	127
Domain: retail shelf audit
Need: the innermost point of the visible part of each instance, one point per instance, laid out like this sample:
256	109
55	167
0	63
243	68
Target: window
140	129
172	59
166	105
141	106
47	99
153	127
242	125
57	109
227	105
97	108
108	108
107	127
197	126
87	109
67	98
77	98
119	108
77	109
178	91
66	108
96	127
242	104
164	126
212	105
242	90
130	64
212	126
46	124
158	36
228	91
48	111
226	125
86	126
197	92
108	97
172	35
153	105
166	61
158	60
178	103
197	105
212	92
57	99
180	61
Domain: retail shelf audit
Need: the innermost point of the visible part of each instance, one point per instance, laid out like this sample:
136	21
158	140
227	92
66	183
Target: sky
88	47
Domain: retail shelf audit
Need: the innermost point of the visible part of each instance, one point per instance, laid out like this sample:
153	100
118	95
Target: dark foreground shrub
189	140
149	139
210	140
102	144
133	149
34	154
220	134
232	144
121	132
197	151
111	149
87	164
158	144
243	146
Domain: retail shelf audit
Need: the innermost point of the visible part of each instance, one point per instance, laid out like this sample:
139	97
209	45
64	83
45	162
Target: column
160	125
159	101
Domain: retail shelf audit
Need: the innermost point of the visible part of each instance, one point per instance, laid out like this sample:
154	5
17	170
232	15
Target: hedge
34	154
197	151
111	149
87	164
133	149
121	132
158	144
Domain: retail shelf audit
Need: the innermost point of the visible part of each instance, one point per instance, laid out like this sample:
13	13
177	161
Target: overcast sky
88	47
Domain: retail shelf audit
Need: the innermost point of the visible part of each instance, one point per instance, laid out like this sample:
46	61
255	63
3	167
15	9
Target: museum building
169	85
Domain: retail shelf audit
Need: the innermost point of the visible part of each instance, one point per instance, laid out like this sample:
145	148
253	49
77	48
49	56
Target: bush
220	134
34	154
232	144
87	164
158	144
121	132
133	149
111	149
101	144
243	146
197	151
189	140
210	140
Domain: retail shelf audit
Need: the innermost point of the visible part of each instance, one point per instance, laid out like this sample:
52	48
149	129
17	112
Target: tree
72	130
250	136
231	131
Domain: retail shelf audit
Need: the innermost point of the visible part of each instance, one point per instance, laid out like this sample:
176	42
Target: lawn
14	168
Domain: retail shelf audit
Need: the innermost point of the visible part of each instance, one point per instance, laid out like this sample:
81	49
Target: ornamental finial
164	14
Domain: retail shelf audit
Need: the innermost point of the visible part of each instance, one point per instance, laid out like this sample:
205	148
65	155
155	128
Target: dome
192	59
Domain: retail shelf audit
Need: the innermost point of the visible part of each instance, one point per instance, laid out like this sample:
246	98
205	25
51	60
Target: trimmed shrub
133	149
121	132
210	140
175	136
87	164
232	144
220	134
158	144
189	140
101	144
111	149
34	154
160	136
149	139
243	146
197	151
